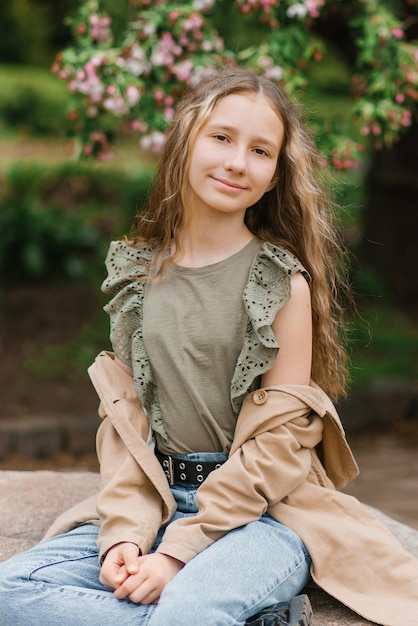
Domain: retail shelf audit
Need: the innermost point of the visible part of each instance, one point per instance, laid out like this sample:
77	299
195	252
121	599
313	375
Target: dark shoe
298	612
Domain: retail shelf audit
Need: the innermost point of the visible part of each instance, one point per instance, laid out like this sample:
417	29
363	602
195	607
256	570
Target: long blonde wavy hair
297	213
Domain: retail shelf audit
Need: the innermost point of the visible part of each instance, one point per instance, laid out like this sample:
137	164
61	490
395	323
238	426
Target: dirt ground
34	316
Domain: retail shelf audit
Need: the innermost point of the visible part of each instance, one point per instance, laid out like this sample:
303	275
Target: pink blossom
91	72
406	119
312	8
87	149
96	60
193	22
148	29
135	61
99	28
267	5
399	98
92	111
89	83
297	10
411	76
397	32
173	15
97	137
133	95
182	71
203	5
105	155
115	105
219	44
168	114
165	51
139	126
265	61
274	73
95	91
152	142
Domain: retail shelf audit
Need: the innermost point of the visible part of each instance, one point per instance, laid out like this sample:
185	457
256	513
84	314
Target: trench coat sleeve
128	505
269	458
134	498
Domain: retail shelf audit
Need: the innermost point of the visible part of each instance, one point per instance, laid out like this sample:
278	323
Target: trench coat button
260	396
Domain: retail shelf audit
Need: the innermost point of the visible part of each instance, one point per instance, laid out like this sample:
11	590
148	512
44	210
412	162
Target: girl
219	456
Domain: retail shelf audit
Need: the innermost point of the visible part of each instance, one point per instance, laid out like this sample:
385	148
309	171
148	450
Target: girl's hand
146	586
120	562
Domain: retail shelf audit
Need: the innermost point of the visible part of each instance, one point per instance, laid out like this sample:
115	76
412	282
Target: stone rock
31	500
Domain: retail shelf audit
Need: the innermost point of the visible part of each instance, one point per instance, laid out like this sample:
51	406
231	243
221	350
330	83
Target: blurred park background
58	212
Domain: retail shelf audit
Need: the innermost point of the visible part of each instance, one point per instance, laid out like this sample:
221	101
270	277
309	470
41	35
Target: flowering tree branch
168	46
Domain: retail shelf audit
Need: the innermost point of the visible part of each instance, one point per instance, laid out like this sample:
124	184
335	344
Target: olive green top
198	339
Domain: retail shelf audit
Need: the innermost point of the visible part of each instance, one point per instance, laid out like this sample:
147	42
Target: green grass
38	78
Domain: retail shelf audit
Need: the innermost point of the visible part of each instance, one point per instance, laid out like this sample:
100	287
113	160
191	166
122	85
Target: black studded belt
185	471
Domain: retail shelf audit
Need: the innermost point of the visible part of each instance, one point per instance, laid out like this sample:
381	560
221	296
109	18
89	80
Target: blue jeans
56	583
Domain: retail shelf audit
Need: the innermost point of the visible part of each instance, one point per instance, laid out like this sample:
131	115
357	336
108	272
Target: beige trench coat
288	457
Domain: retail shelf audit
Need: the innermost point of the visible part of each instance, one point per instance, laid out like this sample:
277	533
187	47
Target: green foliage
383	340
384	344
57	222
70	361
31	101
42	242
31	32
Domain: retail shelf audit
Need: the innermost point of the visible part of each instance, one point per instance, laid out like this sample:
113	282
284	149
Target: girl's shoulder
126	262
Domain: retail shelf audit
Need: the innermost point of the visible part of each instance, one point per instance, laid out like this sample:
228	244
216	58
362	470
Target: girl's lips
228	183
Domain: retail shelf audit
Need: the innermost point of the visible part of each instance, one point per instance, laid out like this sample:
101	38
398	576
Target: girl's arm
292	327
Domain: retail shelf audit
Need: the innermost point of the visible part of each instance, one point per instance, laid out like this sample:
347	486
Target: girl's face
234	157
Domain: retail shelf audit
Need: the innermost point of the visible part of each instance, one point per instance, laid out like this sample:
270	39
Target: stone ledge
43	436
30	501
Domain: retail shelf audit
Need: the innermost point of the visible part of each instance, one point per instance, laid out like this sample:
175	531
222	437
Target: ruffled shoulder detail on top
267	291
128	268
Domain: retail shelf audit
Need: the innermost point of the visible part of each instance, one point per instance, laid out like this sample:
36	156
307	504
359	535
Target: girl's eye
261	151
220	137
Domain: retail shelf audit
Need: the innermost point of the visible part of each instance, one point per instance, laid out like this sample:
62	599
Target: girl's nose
236	161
